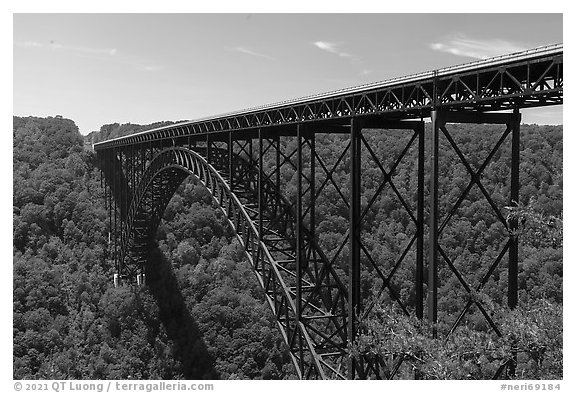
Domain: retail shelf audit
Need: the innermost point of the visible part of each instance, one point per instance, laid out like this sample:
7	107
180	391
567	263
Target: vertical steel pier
439	126
354	300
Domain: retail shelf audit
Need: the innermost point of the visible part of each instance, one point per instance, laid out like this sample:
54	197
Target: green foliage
536	228
69	322
220	289
533	332
116	130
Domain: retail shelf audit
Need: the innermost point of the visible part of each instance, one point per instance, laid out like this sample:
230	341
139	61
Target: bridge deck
526	79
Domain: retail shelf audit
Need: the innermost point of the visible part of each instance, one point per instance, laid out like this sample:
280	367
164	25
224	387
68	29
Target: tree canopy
203	314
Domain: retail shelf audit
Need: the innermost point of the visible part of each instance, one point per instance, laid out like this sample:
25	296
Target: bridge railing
291	111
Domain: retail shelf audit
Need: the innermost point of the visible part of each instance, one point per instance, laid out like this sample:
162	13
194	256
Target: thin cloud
56	46
332	48
250	52
136	63
151	68
477	49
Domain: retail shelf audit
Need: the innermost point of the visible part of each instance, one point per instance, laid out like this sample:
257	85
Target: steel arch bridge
264	171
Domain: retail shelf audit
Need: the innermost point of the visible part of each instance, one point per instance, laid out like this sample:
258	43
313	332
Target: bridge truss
267	175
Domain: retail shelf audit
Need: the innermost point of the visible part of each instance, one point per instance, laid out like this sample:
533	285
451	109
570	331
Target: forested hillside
116	130
202	314
69	321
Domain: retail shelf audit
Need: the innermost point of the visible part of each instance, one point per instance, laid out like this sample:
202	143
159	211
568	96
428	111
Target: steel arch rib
328	300
280	298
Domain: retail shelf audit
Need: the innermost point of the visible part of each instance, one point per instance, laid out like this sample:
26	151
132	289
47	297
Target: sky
98	69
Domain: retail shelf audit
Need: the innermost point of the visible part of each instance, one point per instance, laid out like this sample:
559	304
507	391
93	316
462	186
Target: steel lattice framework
245	159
